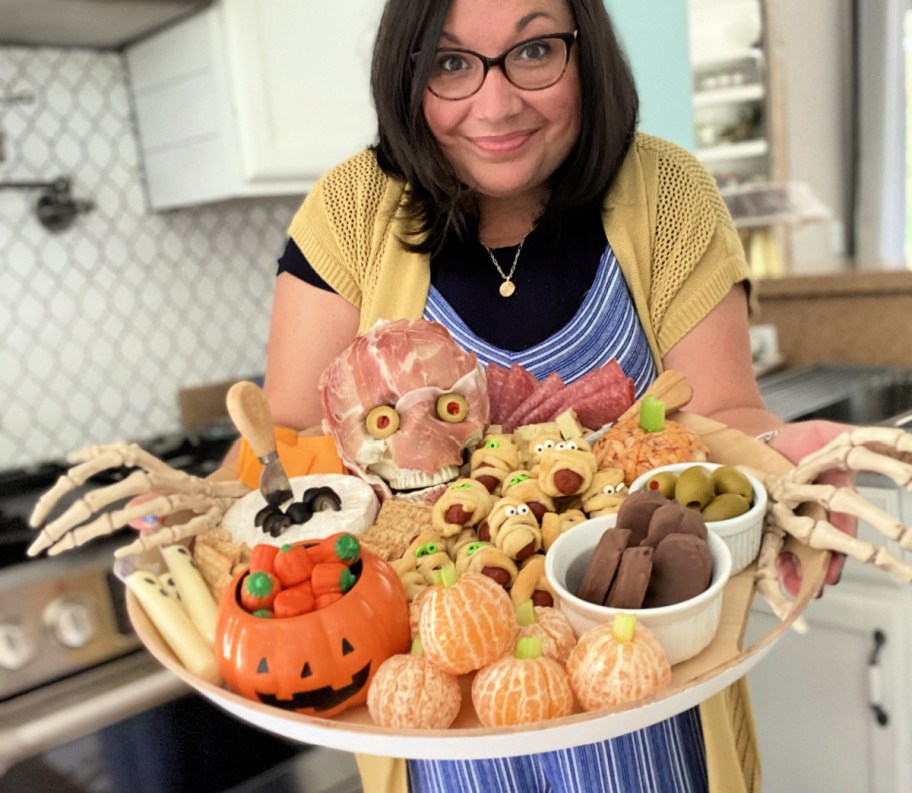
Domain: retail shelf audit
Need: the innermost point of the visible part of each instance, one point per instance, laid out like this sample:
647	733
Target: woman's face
503	141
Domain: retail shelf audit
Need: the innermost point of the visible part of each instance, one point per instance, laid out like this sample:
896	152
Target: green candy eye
461	486
427	549
473	547
515	480
492	444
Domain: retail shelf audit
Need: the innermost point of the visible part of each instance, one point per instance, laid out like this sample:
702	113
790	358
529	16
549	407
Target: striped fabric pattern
668	757
605	326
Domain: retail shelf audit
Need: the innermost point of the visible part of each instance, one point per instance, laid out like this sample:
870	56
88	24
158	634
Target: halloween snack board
692	681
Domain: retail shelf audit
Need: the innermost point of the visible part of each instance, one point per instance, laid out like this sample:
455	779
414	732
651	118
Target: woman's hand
797	441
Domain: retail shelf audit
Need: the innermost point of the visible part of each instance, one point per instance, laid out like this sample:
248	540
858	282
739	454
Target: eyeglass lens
530	65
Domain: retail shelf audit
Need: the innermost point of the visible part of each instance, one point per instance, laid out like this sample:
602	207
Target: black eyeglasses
532	64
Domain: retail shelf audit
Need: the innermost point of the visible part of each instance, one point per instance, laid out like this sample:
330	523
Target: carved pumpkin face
319	663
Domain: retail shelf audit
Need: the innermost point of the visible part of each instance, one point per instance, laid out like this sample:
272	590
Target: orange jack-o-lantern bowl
320	663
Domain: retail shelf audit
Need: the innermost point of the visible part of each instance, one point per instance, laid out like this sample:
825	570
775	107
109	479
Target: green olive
693	488
452	407
725	506
728	479
662	482
381	422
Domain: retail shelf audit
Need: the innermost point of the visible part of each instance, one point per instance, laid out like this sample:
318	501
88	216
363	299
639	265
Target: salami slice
518	386
529	410
597	397
498	379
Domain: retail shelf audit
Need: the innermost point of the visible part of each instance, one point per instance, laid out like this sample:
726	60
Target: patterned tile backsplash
102	323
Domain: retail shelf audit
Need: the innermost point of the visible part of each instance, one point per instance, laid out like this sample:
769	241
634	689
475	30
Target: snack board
723	662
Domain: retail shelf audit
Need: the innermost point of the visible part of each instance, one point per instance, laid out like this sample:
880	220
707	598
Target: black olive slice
275	524
299	513
264	513
278	497
321	499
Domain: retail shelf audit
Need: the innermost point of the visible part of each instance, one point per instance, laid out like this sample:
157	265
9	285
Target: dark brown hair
439	203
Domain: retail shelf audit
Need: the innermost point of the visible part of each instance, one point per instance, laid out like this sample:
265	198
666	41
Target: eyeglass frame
500	61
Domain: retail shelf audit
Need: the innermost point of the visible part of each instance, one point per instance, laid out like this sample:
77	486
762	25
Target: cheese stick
174	625
194	594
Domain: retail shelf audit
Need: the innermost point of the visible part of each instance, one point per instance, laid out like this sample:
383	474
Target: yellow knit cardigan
680	255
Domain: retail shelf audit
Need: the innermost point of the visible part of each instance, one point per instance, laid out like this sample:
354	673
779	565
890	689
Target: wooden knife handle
671	387
250	413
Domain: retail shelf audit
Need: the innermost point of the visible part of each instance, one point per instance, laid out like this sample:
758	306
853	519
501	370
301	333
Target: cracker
218	559
398	523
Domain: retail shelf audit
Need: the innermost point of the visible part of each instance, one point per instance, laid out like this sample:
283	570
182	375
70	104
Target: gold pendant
507	288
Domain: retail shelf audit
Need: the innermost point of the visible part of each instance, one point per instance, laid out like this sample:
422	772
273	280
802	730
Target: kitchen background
195	144
103	322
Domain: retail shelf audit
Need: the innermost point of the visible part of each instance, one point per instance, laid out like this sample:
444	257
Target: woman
509	197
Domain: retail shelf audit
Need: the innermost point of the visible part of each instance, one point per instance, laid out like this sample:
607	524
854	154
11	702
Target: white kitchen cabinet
832	707
253	98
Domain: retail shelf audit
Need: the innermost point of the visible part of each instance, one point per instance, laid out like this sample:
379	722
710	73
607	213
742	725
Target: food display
461	479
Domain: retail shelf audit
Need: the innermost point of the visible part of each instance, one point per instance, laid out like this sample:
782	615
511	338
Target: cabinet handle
875	681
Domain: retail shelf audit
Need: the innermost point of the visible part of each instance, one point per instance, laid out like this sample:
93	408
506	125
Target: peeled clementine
550	625
409	691
616	663
466	622
522	688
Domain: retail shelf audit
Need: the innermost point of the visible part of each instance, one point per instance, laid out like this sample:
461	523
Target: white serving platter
722	663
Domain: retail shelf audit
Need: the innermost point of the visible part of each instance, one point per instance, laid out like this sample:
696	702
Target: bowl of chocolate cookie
731	501
669	572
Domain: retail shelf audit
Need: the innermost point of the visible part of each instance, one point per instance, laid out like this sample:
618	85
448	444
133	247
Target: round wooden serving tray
723	662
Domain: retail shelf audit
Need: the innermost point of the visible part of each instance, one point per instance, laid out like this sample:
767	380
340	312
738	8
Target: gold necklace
508	287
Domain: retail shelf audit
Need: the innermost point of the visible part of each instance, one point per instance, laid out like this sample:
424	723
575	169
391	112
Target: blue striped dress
668	757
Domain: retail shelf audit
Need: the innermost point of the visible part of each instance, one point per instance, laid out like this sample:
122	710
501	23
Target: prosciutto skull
402	403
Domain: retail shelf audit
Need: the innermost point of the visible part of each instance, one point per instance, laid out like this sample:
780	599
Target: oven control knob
16	649
72	621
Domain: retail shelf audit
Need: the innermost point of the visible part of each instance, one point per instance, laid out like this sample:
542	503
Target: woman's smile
502	144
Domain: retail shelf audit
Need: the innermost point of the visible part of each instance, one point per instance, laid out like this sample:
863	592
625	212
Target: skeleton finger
821	534
172	534
842	499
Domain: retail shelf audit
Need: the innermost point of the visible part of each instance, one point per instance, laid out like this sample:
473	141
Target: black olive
264	513
276	523
278	497
320	499
299	513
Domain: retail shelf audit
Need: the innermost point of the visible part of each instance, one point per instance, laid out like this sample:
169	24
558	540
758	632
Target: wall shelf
753	92
747	149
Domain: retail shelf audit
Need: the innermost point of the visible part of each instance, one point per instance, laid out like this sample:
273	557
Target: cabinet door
814	696
300	73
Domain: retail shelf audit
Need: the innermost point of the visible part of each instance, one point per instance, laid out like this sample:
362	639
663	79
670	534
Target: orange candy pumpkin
522	688
466	622
616	663
409	691
319	663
